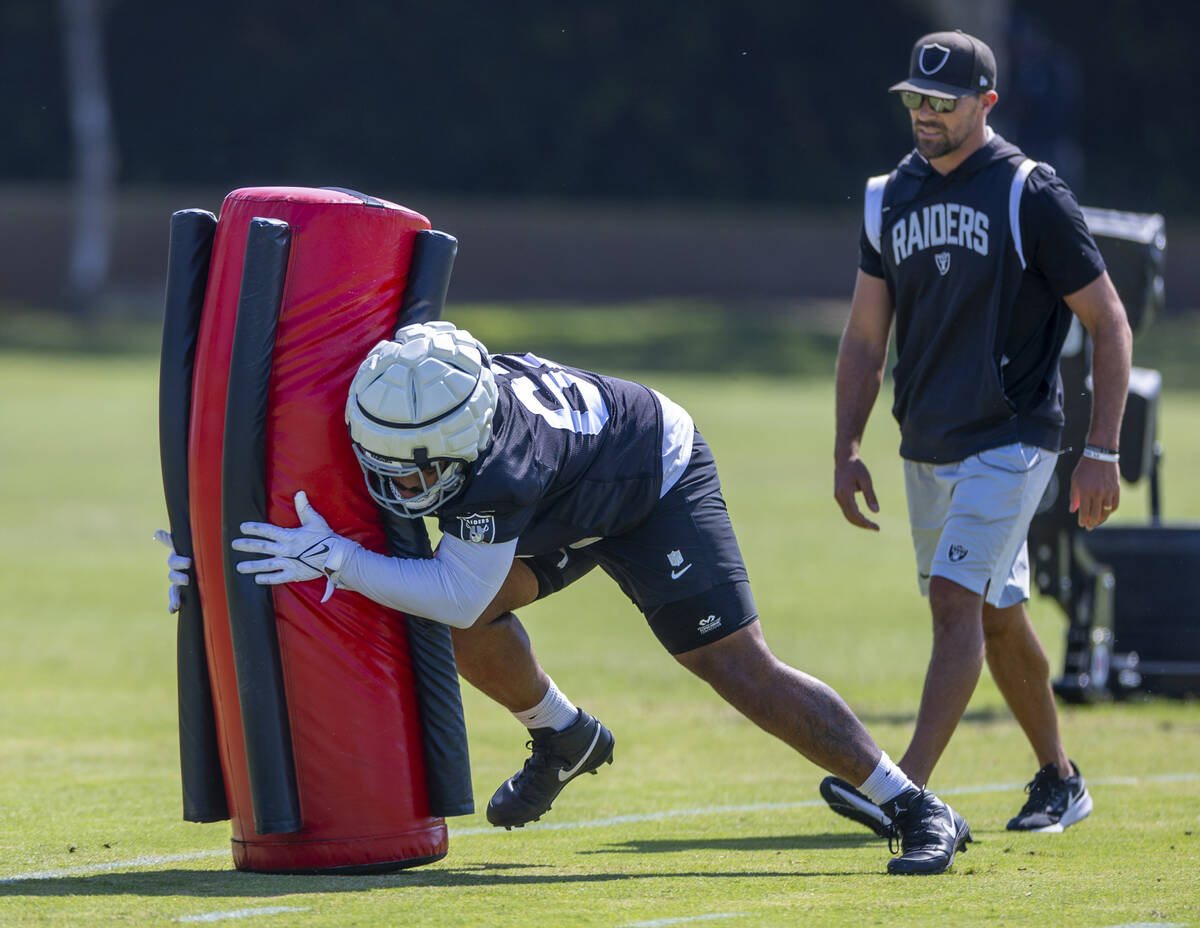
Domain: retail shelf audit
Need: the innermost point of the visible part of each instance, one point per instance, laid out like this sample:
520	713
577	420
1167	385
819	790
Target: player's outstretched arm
454	587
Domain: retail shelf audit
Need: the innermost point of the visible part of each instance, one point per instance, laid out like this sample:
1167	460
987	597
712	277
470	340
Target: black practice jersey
573	456
980	319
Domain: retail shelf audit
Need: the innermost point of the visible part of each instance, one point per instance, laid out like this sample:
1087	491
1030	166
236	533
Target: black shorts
681	567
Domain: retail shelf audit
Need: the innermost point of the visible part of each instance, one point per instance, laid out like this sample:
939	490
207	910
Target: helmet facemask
383	473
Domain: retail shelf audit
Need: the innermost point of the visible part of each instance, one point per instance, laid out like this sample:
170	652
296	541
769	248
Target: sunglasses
913	100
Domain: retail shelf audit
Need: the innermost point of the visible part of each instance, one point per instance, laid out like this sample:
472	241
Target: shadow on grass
822	842
984	716
235	884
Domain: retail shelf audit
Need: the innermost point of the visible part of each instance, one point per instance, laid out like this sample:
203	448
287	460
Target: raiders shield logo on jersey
478	527
943	262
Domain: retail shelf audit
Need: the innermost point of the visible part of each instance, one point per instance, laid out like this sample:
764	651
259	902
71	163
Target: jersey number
563	400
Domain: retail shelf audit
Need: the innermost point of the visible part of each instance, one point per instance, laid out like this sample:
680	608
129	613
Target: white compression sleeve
453	587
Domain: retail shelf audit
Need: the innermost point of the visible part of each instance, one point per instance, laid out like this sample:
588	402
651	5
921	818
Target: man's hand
177	568
850	478
1095	491
293	554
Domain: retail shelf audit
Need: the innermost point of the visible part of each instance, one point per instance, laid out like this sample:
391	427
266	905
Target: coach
980	256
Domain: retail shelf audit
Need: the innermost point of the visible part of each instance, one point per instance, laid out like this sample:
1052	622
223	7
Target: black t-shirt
978	335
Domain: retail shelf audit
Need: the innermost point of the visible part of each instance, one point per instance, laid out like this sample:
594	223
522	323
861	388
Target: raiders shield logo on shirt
478	527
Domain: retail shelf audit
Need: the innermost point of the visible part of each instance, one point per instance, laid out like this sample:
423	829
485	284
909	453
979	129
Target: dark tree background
712	100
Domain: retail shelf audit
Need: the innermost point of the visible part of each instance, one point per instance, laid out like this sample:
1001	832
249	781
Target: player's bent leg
795	707
812	718
496	656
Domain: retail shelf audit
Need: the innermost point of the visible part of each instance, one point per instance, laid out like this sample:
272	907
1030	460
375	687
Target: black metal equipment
1131	594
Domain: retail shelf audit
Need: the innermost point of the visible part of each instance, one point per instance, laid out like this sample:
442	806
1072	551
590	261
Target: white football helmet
423	402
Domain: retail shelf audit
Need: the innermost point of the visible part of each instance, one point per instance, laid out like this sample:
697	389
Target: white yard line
239	913
131	864
136	863
650	817
684	919
812	803
1151	925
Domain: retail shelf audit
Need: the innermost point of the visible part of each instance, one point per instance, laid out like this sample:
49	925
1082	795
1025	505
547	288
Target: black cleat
558	758
930	833
1054	802
845	800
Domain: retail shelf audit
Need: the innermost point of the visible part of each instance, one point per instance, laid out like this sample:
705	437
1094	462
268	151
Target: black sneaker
845	800
929	831
1054	802
558	758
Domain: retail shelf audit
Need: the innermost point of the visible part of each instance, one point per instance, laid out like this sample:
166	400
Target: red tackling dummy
347	672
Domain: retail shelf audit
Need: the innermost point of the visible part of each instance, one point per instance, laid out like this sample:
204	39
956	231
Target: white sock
554	711
887	781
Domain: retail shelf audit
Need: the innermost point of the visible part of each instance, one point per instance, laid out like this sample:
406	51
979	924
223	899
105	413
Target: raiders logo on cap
950	64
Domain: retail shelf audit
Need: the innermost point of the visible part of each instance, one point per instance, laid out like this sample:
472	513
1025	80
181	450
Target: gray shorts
970	518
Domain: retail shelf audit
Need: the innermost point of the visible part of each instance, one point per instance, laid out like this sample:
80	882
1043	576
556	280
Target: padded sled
317	705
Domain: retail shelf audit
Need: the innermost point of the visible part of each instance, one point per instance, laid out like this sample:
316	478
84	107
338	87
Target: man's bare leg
1021	670
954	668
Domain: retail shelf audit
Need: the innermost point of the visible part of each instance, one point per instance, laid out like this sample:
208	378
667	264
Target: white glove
177	567
294	554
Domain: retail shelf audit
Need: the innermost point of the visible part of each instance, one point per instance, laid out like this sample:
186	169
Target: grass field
701	819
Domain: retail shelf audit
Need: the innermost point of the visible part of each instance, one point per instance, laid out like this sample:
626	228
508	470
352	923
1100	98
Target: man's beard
942	145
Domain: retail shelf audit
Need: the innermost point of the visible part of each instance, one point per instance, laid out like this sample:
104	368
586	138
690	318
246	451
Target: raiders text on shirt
940	224
977	350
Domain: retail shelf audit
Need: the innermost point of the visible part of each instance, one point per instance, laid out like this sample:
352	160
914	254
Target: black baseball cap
951	65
